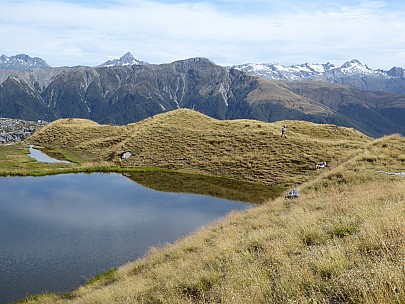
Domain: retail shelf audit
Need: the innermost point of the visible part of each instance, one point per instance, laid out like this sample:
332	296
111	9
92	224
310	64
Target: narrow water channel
42	157
58	231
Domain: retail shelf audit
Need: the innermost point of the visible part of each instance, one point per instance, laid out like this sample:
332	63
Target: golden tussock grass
342	241
189	141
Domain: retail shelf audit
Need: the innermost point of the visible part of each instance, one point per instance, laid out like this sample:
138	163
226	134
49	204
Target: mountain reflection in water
229	189
57	231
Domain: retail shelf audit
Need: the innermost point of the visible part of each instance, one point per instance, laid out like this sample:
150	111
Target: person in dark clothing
283	132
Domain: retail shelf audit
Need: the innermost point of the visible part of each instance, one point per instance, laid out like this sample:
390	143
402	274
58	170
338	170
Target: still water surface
42	157
57	231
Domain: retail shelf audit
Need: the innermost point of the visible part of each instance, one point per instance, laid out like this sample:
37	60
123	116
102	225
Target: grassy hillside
270	90
373	113
189	141
342	241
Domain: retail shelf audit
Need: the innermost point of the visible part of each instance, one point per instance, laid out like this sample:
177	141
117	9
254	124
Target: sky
228	32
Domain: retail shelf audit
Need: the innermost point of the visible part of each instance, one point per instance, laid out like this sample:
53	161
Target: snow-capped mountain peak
21	62
126	59
309	70
351	63
355	67
277	71
352	73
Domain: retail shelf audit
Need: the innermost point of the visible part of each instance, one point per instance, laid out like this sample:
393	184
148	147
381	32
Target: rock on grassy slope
189	141
340	242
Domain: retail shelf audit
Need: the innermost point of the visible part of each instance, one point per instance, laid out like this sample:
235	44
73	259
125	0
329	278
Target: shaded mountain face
125	94
351	73
21	62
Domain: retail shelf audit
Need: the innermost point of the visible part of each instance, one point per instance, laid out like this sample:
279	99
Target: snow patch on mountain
21	62
352	73
127	59
311	71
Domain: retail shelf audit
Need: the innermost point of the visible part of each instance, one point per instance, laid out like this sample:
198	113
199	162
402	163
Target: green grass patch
103	279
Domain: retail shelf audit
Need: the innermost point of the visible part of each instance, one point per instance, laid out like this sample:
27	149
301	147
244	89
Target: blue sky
73	32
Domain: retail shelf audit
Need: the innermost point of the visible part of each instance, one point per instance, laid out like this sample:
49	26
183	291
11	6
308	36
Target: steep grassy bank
342	241
189	141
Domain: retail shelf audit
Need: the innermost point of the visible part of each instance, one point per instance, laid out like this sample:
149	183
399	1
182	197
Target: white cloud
69	33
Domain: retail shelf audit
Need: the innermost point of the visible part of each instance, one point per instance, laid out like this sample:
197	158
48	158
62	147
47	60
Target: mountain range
352	73
21	62
119	92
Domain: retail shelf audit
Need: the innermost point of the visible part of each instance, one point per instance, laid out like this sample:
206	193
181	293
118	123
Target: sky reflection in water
42	157
57	231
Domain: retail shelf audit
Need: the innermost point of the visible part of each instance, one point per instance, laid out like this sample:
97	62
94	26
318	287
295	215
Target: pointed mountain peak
21	62
356	67
355	61
127	56
329	65
126	59
351	63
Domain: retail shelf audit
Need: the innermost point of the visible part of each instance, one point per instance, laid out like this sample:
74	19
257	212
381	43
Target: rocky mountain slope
12	130
21	62
351	73
124	94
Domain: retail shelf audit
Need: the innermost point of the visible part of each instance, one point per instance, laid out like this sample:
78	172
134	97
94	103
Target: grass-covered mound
189	141
342	241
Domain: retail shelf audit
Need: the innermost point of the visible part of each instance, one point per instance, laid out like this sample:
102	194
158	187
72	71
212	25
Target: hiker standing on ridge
283	132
